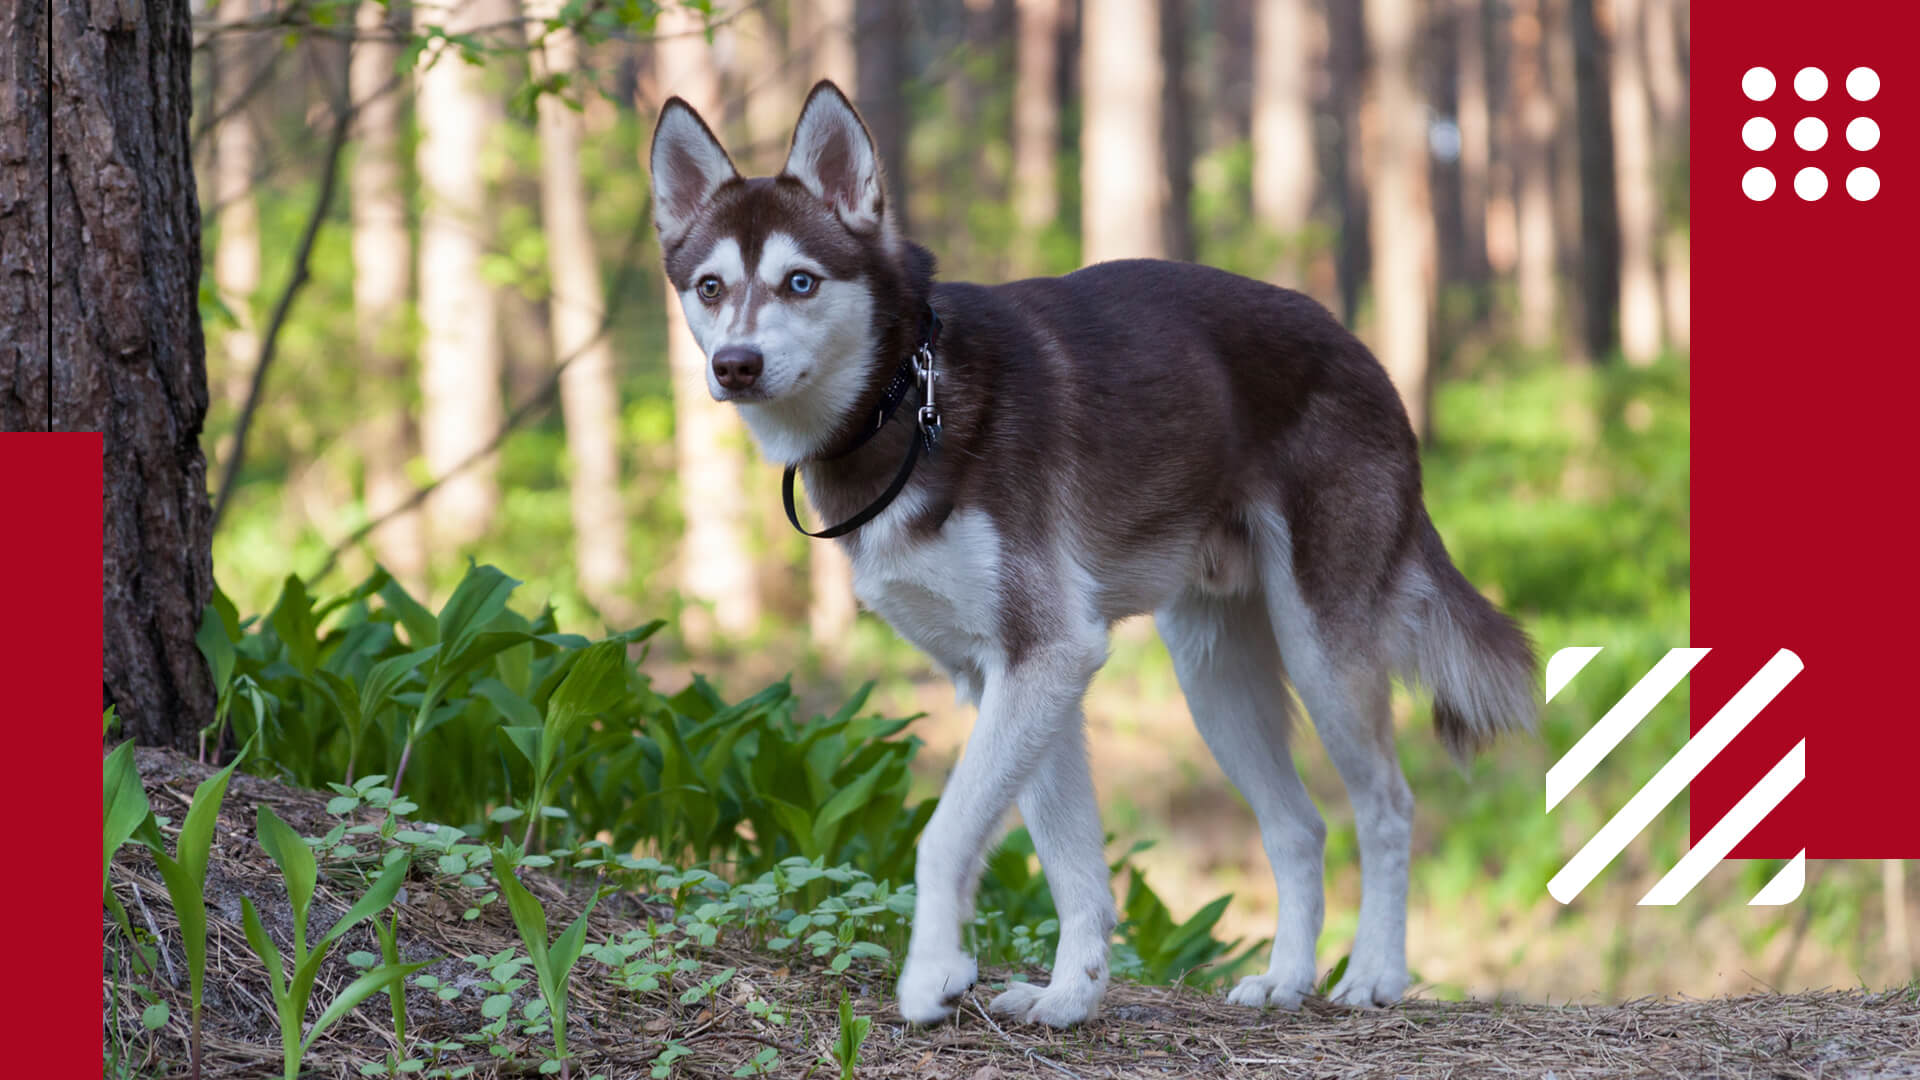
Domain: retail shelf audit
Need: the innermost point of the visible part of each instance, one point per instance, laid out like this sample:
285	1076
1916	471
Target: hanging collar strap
918	370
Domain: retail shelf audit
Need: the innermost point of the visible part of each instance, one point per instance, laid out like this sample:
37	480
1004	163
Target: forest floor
1143	1031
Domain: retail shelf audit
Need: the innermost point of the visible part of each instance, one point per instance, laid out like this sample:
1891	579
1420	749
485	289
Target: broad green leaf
480	596
422	629
528	916
293	622
374	900
388	676
526	740
264	948
357	991
124	803
374	583
852	797
154	1016
566	948
516	710
216	646
196	831
297	865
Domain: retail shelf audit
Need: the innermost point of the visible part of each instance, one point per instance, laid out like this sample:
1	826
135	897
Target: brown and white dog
1139	436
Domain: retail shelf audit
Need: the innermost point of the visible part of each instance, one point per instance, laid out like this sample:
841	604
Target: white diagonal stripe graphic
1674	776
1619	722
1757	803
1786	885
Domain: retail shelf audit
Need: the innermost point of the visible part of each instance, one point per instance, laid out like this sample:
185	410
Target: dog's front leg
1023	710
1060	811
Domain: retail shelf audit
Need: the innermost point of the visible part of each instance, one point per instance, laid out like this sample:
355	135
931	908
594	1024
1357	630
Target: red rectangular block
1806	378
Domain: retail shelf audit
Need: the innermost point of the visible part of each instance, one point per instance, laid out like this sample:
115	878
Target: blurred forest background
437	330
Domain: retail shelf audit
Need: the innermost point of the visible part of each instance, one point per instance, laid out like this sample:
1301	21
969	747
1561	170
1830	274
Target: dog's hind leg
1345	687
1060	811
1024	708
1229	667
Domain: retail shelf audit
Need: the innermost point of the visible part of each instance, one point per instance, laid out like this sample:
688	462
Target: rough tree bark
461	360
1123	185
589	390
119	305
1470	37
1403	215
1283	152
382	281
716	557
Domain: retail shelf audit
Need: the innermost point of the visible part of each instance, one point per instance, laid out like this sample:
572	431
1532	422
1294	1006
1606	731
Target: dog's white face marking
816	348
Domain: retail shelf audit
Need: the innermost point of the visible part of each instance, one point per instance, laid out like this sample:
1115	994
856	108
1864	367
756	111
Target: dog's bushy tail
1474	657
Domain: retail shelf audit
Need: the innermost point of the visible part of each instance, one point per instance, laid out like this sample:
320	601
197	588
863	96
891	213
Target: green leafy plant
300	871
853	1034
596	681
185	874
124	811
552	962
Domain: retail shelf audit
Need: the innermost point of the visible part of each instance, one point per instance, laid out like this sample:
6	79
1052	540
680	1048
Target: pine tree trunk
1636	186
1476	135
1534	247
589	388
1346	61
236	217
1403	216
1283	150
716	554
1599	258
880	32
382	281
824	32
1176	129
1123	185
1036	125
127	357
461	361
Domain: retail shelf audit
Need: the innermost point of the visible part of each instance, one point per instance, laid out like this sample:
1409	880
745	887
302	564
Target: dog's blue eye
802	282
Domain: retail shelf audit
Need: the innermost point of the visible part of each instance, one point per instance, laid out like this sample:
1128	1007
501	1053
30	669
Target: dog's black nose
736	366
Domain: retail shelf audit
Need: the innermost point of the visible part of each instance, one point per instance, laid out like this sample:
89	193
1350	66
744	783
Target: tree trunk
1470	45
1637	186
127	359
880	47
236	252
589	388
716	555
461	362
1347	61
1176	128
1599	262
1403	216
1233	48
1533	109
1283	147
1036	126
382	281
1123	185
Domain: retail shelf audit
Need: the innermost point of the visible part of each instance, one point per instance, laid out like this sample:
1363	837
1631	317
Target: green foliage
552	963
853	1033
300	871
184	871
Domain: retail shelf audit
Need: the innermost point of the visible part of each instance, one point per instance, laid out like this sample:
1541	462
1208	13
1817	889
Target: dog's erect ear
688	166
833	156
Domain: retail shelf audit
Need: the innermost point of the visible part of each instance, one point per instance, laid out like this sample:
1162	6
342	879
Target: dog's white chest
941	592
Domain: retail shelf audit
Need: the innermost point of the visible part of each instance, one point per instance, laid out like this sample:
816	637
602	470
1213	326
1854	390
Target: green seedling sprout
853	1033
596	682
551	965
185	874
300	871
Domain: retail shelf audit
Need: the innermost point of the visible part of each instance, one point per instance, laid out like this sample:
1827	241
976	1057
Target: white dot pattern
1811	183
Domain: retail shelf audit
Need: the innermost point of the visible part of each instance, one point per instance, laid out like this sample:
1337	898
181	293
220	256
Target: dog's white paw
930	985
1062	1003
1370	986
1279	991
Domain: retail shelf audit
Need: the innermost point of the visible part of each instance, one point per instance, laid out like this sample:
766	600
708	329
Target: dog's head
789	282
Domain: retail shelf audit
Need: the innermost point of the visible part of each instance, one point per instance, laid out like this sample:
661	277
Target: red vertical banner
1806	401
50	530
